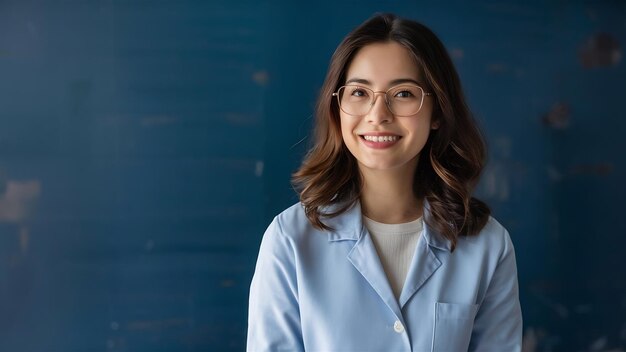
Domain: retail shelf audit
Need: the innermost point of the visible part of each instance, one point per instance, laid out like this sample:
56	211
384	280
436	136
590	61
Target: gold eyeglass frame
336	94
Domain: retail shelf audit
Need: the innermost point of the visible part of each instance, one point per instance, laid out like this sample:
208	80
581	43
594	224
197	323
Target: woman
387	249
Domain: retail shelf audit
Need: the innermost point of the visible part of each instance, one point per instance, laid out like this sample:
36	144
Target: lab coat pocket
453	326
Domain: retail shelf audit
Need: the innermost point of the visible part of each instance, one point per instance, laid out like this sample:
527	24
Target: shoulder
493	239
291	225
494	231
293	214
290	234
276	245
293	221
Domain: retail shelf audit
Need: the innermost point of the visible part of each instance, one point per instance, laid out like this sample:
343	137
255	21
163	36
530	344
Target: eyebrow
392	83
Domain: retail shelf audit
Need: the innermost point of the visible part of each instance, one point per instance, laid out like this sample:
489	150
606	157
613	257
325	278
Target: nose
379	113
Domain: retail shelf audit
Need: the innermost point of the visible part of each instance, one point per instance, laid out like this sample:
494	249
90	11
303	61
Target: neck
387	196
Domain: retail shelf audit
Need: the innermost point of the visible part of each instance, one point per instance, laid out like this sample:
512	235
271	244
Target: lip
378	134
378	145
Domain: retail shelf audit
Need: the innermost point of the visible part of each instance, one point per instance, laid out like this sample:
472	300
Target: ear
434	124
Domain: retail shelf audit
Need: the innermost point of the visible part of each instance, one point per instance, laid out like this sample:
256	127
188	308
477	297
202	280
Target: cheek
347	128
348	136
425	121
343	129
420	126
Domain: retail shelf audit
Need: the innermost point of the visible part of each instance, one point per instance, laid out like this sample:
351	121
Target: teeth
379	139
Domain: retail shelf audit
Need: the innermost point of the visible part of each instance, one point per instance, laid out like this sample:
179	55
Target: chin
380	165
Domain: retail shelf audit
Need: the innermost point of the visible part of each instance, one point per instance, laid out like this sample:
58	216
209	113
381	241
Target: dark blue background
146	145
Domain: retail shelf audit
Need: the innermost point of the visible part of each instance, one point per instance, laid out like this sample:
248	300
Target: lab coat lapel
365	259
349	227
424	264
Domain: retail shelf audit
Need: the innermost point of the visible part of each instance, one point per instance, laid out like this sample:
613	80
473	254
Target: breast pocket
453	326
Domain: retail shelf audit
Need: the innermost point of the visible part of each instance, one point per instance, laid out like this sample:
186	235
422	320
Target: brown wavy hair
449	164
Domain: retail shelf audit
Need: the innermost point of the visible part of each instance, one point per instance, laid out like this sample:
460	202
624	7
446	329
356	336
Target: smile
381	138
379	141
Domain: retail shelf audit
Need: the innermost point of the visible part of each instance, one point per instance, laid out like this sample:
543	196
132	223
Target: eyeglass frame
424	93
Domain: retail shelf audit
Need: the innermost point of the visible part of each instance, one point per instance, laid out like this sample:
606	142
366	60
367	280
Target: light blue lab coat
327	291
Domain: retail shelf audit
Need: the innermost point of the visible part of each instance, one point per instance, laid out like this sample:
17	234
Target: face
381	66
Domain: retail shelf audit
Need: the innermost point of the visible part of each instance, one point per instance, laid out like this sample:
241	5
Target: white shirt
395	245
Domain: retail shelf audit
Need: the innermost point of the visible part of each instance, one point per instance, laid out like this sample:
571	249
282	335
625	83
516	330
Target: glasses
404	100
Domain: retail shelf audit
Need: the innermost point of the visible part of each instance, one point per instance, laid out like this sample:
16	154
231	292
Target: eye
403	94
358	92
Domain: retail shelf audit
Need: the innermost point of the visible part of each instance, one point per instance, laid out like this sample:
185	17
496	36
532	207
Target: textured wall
145	145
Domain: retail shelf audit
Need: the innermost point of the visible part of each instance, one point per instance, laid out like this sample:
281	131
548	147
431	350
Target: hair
450	162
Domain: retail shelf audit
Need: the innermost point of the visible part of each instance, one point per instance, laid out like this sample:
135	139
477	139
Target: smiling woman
387	249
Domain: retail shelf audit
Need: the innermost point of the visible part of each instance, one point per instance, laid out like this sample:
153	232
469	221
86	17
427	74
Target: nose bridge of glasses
386	105
386	99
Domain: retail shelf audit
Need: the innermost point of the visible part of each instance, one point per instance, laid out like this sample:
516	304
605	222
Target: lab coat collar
349	225
345	226
432	237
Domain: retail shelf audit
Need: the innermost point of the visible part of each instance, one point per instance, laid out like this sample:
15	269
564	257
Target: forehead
381	63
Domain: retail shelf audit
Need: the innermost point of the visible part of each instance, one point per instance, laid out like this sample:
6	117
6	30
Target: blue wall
146	145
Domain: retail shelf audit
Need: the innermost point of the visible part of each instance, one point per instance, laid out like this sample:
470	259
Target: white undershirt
395	244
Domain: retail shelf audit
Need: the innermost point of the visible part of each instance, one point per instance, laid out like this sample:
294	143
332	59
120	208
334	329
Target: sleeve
498	323
273	312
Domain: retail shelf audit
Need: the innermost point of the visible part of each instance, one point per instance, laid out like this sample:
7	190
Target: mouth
379	141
